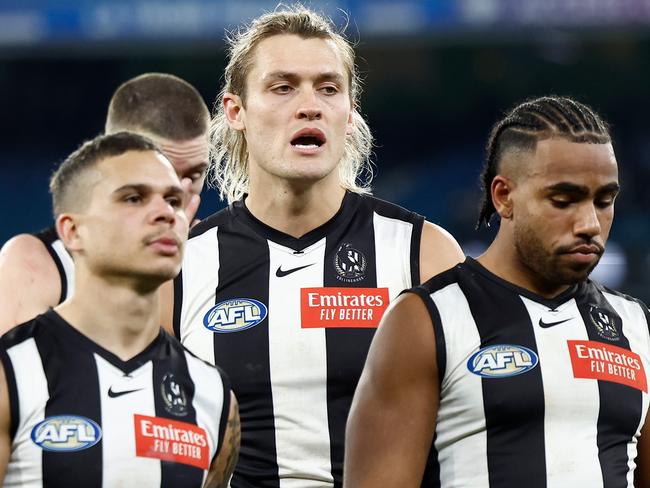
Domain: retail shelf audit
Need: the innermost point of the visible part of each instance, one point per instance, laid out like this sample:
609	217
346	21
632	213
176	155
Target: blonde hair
229	152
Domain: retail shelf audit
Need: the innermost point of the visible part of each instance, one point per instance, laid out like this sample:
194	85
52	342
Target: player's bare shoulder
25	266
439	251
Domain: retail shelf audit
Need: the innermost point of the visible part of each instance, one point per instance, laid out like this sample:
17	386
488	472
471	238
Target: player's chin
578	272
165	271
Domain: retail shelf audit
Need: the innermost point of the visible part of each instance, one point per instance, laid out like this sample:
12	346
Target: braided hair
532	121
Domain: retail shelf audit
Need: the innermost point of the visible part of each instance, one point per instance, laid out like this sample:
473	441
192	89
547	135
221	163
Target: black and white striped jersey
535	392
80	416
62	259
290	320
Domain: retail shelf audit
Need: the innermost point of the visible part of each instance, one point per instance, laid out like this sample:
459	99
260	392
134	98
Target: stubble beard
545	265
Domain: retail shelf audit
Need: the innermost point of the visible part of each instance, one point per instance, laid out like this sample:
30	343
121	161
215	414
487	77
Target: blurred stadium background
438	74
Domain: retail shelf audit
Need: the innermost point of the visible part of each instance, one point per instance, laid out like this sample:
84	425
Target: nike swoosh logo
280	272
115	394
546	325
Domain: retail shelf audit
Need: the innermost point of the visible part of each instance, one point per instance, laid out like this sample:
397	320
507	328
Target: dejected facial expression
189	159
297	111
563	208
134	224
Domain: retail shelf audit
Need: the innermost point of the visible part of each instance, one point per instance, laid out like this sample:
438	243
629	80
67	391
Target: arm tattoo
222	476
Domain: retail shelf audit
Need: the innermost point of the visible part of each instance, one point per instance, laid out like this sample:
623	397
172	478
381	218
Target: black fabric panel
171	364
48	237
14	406
73	386
178	305
620	405
347	348
514	405
416	239
244	356
436	323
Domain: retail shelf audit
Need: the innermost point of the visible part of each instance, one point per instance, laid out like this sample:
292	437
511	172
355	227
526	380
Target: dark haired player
36	271
516	369
94	393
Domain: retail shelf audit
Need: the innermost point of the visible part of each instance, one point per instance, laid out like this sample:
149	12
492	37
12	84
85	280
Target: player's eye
281	89
134	198
605	202
329	90
174	201
560	203
196	176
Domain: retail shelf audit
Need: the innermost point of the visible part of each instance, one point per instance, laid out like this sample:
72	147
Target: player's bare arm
5	421
29	281
392	421
439	251
224	464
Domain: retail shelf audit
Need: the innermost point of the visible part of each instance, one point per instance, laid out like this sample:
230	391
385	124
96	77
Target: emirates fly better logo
342	307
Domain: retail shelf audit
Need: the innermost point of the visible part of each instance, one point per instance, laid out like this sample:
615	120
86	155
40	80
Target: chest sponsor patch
342	307
502	361
598	361
171	440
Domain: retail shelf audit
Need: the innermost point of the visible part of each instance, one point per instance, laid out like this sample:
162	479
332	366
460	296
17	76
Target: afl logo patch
234	315
502	361
65	433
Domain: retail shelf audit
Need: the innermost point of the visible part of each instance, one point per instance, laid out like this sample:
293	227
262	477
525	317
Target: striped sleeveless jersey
80	416
290	320
535	392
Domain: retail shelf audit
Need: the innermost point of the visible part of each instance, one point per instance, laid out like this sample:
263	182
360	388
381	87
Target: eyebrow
288	75
145	189
200	166
565	187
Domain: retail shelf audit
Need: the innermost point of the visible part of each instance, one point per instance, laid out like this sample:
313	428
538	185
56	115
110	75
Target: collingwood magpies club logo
173	395
350	264
606	324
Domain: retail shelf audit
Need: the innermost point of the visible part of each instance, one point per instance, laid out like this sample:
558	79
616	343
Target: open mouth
308	139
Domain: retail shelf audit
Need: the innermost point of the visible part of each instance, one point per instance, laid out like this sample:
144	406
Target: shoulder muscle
439	251
29	280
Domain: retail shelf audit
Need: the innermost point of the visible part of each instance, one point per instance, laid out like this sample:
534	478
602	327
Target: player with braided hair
515	369
544	117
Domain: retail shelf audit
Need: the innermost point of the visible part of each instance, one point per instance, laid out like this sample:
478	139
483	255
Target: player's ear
501	192
68	230
234	111
349	128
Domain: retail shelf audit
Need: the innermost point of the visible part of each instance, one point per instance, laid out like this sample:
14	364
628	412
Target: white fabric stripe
26	462
635	329
118	433
393	251
68	265
208	400
200	278
571	405
463	460
298	357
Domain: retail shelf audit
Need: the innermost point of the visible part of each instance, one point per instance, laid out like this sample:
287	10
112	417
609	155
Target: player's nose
587	222
308	106
162	209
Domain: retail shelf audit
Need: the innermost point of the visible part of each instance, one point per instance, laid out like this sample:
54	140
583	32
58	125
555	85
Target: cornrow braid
532	121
